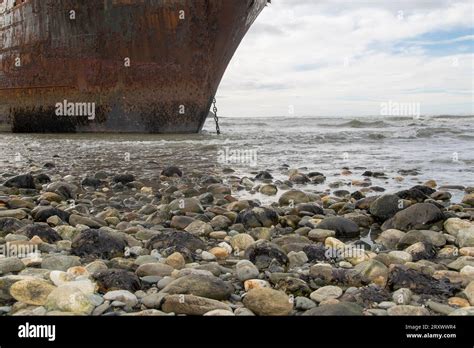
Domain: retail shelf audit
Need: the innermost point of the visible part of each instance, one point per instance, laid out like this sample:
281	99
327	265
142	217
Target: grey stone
200	285
338	309
60	262
303	303
246	270
10	264
191	305
407	310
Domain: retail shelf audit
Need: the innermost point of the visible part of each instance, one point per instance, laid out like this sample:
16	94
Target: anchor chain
216	118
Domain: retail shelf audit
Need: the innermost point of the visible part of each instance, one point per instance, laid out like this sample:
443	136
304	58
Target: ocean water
439	148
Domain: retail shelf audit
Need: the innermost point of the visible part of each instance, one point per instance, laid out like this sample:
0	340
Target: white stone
256	284
402	296
465	237
297	258
219	313
59	277
467	271
469	292
401	255
454	225
69	299
207	256
326	293
129	299
225	246
386	304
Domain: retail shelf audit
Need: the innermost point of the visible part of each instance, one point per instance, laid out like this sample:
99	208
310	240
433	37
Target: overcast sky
346	57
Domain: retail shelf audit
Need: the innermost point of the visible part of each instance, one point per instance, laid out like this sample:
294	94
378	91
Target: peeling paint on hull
178	52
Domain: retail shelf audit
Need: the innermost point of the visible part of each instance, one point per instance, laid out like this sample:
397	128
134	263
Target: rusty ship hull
146	66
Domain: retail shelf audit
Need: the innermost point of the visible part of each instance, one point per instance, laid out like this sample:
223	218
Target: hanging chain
216	118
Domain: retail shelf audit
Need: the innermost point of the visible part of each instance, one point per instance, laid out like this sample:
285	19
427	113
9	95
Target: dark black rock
258	217
357	195
341	193
117	279
124	178
10	225
43	231
42	179
420	283
425	189
92	182
412	195
385	207
49	165
43	213
378	189
362	245
264	176
262	253
25	181
315	174
420	214
172	171
310	208
98	244
416	193
343	227
315	252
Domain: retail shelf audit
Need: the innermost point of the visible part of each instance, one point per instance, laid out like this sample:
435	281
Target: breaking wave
362	124
429	132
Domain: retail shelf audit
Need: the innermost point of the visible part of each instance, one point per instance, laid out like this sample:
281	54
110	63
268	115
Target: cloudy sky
346	57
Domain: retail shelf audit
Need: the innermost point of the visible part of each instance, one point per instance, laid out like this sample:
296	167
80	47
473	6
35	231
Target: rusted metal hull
149	66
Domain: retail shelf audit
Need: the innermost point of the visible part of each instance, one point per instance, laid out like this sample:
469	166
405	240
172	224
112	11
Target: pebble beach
178	235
